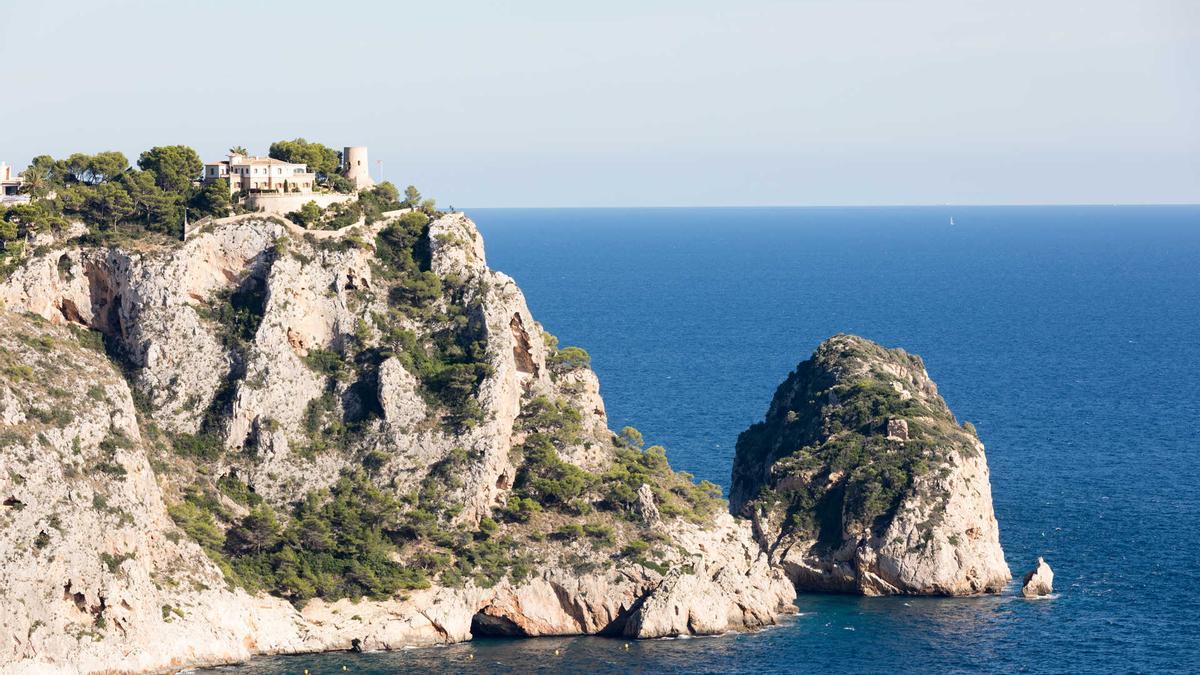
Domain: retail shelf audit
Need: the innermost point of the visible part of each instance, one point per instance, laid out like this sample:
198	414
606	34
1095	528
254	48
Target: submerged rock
861	480
1039	581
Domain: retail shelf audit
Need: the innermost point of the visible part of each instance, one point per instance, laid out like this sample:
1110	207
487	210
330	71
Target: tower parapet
355	167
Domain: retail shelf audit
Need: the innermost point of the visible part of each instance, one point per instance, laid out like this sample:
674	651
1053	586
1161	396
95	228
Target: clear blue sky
686	102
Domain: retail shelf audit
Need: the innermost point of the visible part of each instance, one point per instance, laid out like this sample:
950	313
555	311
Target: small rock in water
1039	581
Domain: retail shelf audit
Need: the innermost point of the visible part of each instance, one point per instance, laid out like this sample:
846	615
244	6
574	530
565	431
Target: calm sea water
1070	336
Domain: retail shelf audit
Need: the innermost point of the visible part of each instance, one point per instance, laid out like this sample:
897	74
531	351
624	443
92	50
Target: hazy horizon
671	104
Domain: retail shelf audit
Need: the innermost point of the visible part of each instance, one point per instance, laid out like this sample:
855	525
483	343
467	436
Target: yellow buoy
626	646
556	652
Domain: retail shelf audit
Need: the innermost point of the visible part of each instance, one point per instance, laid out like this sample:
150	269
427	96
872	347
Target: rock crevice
270	367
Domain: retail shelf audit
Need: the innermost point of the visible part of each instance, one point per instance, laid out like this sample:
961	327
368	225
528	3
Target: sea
1069	335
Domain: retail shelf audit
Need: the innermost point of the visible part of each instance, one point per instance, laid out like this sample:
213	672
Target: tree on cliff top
114	199
321	160
93	169
212	199
175	167
412	196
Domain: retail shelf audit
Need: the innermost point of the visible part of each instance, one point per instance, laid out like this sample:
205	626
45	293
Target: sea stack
861	480
1039	581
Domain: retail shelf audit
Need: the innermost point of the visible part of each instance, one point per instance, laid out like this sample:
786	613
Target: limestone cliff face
860	480
270	366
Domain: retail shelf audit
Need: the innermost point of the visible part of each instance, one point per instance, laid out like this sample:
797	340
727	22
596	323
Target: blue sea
1070	336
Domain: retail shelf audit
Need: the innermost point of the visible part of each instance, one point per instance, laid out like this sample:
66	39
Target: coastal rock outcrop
1039	581
860	480
269	440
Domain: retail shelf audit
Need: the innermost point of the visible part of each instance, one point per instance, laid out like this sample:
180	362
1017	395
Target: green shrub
238	312
488	527
339	543
57	416
201	446
569	532
569	358
238	490
520	509
258	531
375	201
599	531
417	293
399	246
631	437
198	524
327	362
114	562
308	216
635	548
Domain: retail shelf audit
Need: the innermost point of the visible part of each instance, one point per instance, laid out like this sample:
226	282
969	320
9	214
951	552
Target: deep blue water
1070	336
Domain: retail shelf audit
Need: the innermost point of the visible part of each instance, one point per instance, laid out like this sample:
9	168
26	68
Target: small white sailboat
951	220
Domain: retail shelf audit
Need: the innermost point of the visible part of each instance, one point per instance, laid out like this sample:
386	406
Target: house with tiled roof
260	174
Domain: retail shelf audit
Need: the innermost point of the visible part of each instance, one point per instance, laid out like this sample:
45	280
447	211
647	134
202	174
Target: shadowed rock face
861	480
271	366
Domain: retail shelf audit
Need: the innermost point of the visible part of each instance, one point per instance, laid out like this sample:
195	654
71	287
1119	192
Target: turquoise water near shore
1070	336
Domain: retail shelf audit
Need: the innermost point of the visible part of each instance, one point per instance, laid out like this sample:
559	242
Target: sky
638	103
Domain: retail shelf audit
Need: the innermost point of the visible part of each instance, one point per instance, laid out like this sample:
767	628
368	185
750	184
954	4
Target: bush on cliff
569	358
307	216
375	201
339	543
400	246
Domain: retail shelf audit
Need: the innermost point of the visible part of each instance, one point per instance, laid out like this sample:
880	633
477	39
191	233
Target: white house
260	174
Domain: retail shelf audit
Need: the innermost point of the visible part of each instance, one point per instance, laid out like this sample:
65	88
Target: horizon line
848	206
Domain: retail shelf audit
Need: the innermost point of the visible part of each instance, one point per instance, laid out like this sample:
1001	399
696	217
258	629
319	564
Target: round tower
355	167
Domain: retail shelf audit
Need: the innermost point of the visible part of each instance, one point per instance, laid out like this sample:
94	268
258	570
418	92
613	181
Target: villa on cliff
10	186
257	175
275	186
260	174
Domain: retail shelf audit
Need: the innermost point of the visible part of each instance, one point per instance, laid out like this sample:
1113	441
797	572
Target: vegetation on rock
114	200
366	535
824	455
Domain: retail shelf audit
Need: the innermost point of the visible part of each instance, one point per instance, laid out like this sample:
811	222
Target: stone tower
355	167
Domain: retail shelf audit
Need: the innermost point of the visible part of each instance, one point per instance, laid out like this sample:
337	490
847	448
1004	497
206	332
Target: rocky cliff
861	480
271	440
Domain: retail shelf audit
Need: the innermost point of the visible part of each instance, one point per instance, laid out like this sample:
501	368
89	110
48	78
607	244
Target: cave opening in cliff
486	625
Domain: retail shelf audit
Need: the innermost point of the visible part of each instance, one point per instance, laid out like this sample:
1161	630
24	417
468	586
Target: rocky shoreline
261	441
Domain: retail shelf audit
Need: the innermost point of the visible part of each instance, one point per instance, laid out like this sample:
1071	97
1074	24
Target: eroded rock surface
861	480
293	388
